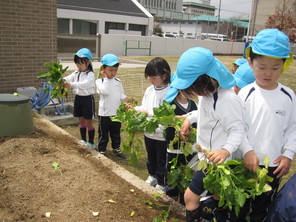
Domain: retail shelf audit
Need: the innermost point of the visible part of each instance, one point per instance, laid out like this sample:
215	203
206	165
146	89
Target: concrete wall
27	40
165	46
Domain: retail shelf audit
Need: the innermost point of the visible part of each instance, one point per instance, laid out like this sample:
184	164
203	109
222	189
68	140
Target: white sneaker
90	145
160	188
152	181
83	142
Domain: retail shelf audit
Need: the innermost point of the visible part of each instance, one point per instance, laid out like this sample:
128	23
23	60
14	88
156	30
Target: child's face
110	72
234	68
267	71
82	66
157	81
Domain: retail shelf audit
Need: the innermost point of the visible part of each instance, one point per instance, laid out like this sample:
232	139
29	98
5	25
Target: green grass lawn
288	79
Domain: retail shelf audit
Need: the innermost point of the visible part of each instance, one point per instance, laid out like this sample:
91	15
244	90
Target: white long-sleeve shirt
82	83
271	122
220	122
153	97
111	95
192	116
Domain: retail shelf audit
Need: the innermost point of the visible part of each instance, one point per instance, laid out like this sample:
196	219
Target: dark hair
116	65
203	86
83	61
254	55
158	67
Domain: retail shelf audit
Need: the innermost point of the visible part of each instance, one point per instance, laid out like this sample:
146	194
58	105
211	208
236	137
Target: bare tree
283	19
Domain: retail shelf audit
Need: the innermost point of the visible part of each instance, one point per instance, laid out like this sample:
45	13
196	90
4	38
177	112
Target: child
220	126
237	64
284	206
82	82
183	106
243	76
270	109
111	95
158	71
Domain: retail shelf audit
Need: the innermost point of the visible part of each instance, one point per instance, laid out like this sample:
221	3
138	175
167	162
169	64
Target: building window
63	26
113	25
84	27
134	27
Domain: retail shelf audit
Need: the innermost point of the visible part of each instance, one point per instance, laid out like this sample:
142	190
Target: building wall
263	9
28	40
102	18
187	28
199	11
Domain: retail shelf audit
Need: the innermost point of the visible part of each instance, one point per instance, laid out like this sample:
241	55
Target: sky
231	8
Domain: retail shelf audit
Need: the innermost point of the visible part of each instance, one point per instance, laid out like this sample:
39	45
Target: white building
103	16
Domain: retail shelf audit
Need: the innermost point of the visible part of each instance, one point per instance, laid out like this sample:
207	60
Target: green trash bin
15	115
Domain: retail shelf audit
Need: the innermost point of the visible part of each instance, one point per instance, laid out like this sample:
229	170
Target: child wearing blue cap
158	72
82	81
237	64
220	126
270	109
111	93
184	106
243	76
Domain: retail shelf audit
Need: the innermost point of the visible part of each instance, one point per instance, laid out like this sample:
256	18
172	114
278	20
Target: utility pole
254	15
218	24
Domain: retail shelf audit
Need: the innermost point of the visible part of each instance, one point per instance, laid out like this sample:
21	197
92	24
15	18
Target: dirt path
30	186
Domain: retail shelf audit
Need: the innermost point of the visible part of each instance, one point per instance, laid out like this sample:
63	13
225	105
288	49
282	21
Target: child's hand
284	167
66	85
251	161
128	106
185	129
218	156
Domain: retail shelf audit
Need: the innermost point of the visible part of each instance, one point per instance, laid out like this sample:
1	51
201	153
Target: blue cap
194	63
109	60
240	61
84	53
272	43
244	75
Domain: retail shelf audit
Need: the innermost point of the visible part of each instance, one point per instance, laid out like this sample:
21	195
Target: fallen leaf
47	214
133	213
95	214
111	201
132	190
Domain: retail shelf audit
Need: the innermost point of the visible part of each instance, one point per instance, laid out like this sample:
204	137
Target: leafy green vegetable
134	122
55	79
234	183
179	176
